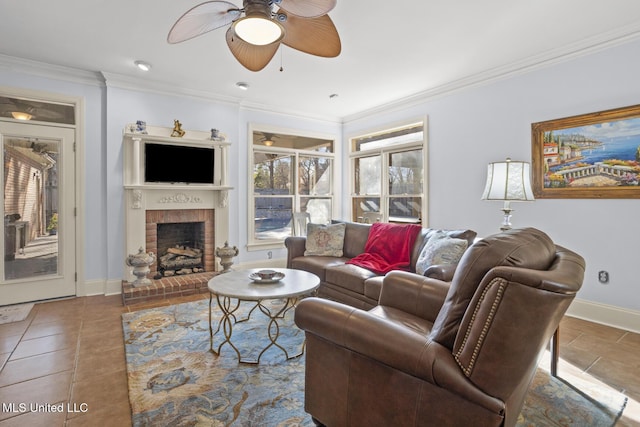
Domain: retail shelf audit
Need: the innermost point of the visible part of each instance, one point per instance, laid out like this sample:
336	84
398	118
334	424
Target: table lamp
508	181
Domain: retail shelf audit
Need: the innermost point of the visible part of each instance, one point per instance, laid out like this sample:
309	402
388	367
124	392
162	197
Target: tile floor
72	352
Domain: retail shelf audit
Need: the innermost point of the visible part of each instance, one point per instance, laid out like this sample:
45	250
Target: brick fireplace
150	204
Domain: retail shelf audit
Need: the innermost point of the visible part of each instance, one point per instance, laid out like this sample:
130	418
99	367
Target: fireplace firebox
182	239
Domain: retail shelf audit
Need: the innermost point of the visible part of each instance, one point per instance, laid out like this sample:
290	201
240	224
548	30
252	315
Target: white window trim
384	152
257	245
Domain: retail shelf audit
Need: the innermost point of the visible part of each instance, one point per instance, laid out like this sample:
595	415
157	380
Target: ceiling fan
268	139
255	37
26	109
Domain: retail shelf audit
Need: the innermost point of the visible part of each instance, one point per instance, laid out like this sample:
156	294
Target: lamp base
506	221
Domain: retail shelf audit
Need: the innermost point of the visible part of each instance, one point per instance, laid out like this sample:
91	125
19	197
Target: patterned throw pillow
325	240
440	249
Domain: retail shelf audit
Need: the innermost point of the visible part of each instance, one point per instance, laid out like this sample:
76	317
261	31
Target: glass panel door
30	207
39	224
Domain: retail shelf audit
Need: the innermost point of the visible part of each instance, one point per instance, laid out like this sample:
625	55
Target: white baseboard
609	315
113	287
269	263
101	287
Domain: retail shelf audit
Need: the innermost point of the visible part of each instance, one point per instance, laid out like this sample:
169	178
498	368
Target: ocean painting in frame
590	156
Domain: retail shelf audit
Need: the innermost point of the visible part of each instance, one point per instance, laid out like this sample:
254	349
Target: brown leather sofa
355	285
439	354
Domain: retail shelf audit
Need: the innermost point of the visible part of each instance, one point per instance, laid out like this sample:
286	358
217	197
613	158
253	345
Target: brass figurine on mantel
177	129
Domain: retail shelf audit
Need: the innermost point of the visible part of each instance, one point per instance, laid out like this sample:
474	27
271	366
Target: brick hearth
167	287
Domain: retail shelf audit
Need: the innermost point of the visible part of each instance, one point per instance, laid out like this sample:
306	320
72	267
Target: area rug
14	313
175	380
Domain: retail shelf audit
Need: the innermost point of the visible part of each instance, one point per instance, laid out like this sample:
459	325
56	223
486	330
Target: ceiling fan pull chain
281	68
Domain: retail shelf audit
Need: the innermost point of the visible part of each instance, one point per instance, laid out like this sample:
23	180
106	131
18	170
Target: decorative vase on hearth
226	254
140	263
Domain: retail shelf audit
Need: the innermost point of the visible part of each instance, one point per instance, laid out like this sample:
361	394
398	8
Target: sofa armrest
295	247
398	347
502	325
442	272
412	293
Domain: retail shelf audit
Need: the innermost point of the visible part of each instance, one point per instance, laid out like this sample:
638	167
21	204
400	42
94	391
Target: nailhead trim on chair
501	283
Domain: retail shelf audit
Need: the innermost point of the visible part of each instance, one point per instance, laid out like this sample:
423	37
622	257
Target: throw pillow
441	250
325	240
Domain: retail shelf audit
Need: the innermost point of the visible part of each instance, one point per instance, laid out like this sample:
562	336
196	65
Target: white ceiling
390	50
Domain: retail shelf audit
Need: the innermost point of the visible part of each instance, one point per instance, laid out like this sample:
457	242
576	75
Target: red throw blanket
388	247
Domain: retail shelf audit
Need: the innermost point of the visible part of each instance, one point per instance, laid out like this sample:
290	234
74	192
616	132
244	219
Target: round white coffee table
231	288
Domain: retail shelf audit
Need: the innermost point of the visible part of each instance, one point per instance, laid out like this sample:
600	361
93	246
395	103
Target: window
290	173
37	110
396	157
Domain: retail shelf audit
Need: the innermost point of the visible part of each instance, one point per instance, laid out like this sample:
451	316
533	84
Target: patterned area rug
14	313
175	380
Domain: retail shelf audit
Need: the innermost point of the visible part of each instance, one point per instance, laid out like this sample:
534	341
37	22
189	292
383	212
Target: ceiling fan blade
308	8
201	19
316	36
252	57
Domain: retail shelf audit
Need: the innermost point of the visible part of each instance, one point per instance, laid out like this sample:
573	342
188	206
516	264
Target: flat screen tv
178	164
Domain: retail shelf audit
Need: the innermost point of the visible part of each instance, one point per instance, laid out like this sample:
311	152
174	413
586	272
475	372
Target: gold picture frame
590	156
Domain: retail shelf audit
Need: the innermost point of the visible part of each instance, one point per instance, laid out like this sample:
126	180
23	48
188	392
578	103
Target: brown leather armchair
436	353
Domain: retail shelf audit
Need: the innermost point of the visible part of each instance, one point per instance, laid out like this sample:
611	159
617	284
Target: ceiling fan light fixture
258	30
268	142
21	115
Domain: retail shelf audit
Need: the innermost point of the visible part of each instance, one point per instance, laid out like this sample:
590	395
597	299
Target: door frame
79	191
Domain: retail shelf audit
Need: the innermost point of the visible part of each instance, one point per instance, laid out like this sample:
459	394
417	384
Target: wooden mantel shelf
134	164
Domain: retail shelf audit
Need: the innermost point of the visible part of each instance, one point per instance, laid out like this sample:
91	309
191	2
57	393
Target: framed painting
591	156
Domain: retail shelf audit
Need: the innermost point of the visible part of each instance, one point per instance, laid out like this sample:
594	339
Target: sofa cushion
440	250
426	233
355	237
373	286
403	319
316	264
325	240
348	276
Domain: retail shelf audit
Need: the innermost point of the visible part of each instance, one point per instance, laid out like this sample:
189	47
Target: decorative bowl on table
266	276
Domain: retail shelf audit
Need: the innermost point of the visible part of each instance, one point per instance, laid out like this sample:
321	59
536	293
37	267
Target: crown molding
56	72
264	108
102	79
546	59
138	84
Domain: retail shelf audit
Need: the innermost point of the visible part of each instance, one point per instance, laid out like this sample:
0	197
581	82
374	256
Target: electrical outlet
269	254
603	276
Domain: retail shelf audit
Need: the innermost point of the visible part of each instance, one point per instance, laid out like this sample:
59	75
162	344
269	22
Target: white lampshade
258	30
509	180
